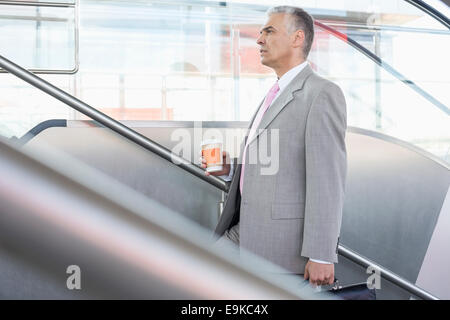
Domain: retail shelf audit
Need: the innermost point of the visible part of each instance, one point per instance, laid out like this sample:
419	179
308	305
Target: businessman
292	217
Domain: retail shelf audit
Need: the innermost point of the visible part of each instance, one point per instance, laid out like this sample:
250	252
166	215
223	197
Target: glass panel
22	106
408	51
180	49
188	60
38	37
378	101
398	33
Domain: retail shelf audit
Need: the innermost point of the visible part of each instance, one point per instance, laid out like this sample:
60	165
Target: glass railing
380	98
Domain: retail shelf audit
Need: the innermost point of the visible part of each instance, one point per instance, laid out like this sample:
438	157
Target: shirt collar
286	78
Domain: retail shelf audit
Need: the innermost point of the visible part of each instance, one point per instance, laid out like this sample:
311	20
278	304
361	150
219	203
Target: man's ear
299	39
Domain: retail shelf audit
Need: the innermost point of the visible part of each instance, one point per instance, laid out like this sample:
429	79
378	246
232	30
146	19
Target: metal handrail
387	27
385	273
40	4
110	123
74	5
430	11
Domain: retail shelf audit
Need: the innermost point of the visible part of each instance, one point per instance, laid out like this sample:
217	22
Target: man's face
275	42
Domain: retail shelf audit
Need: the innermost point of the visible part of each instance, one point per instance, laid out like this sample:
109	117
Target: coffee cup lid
211	141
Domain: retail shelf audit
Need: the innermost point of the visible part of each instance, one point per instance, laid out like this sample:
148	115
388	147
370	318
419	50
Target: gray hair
301	20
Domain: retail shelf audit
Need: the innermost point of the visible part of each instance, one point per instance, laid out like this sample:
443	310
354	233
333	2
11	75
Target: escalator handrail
345	38
386	274
430	11
110	123
33	132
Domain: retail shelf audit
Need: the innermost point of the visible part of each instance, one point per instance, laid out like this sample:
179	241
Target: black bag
359	291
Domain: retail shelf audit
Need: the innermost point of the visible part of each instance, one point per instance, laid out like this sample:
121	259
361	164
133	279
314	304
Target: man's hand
319	273
226	165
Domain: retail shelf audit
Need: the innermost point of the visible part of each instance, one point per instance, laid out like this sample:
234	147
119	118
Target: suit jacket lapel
285	97
253	119
256	112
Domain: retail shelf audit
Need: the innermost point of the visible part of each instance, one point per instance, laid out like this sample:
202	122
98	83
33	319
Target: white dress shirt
286	78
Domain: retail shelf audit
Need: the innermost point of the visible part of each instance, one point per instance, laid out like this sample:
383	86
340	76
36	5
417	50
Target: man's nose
260	39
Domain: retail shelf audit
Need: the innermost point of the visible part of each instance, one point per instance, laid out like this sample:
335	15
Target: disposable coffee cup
212	153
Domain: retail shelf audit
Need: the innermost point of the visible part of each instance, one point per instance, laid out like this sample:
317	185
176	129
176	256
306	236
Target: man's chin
265	62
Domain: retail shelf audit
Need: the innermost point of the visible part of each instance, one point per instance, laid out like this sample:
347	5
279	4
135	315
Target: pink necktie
267	102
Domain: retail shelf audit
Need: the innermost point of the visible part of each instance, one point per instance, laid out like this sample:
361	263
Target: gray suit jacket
296	213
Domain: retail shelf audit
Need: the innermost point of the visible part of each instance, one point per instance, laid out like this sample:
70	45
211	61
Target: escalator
397	183
58	213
